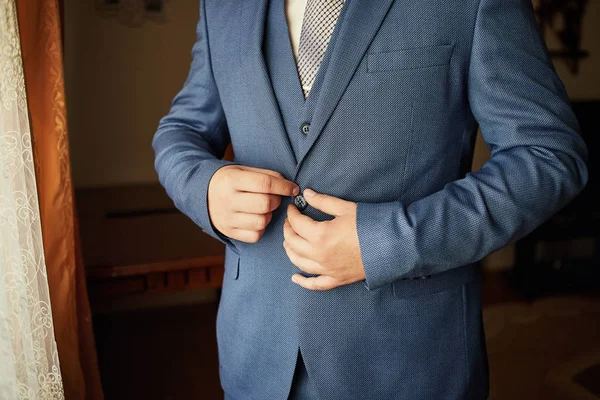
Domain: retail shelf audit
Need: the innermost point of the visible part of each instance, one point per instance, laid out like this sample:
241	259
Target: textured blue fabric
302	386
283	74
295	110
394	128
281	67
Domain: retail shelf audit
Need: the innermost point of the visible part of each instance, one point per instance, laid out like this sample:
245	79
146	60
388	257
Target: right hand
241	200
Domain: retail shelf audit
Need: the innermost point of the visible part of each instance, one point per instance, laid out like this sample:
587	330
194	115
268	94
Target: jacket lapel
358	27
256	77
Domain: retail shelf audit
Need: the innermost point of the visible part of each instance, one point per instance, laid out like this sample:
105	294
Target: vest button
305	128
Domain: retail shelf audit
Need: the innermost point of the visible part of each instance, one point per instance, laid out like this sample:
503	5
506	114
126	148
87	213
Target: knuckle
291	256
261	221
264	205
265	183
255	236
268	217
226	227
226	176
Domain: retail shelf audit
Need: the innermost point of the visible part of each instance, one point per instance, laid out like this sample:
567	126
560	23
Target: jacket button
300	202
305	128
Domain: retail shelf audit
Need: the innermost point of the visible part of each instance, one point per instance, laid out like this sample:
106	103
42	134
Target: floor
546	349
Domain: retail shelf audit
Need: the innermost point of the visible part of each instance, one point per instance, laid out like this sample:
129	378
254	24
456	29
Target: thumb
323	202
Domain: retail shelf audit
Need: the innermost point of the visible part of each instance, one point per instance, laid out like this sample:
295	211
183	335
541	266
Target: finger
297	243
306	265
254	203
245	235
258	182
328	204
251	222
276	174
322	282
304	225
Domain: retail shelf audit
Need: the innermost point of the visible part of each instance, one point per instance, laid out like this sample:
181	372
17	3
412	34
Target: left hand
328	248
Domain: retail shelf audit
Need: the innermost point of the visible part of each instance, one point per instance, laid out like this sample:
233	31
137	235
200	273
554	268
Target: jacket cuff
209	167
383	245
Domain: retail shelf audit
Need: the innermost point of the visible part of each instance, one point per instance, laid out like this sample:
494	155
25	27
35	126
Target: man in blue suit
352	222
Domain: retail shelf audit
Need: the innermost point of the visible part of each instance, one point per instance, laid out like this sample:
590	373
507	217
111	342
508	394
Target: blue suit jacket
408	83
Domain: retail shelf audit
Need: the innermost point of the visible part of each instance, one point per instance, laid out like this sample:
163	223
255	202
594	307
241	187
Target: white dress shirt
294	11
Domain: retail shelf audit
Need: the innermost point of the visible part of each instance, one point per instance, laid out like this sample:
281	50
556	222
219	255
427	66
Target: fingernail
294	279
309	192
296	190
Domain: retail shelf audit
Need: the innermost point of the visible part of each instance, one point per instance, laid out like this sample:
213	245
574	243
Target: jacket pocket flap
407	288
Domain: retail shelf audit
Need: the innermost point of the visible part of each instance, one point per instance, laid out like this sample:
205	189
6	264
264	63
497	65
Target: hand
241	200
329	248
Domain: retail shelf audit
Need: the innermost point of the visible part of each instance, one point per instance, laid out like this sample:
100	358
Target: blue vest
279	56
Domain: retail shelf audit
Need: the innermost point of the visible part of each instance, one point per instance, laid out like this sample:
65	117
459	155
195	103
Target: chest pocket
411	58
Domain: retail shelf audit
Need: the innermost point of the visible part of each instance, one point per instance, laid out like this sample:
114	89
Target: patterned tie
319	20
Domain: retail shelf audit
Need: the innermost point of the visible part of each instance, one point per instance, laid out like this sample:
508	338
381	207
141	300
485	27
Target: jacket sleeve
537	164
192	138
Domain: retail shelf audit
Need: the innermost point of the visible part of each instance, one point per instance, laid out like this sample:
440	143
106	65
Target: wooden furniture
135	243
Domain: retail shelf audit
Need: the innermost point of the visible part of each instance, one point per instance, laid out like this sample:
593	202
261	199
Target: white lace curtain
29	367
